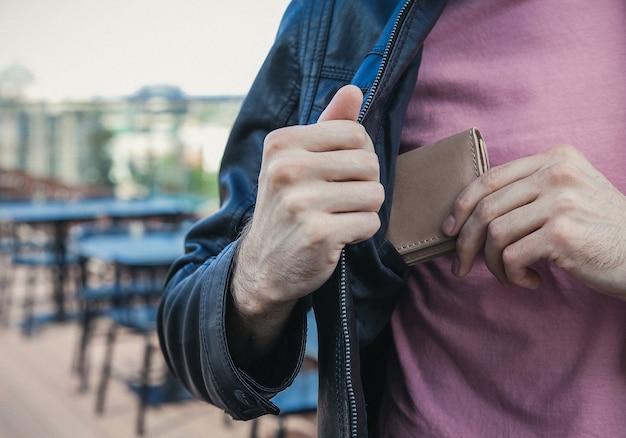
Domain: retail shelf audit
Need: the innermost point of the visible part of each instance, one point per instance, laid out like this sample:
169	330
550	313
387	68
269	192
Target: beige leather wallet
428	180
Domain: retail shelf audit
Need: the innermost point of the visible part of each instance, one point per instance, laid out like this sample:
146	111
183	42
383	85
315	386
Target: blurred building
158	140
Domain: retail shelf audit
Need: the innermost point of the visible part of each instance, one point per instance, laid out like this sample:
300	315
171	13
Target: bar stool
126	286
34	251
141	321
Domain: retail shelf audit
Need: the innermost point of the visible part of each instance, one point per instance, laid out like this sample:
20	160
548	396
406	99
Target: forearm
253	336
254	323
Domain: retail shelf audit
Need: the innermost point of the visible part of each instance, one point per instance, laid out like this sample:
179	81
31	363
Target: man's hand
319	190
551	206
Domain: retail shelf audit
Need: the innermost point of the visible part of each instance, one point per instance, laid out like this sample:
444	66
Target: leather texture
428	180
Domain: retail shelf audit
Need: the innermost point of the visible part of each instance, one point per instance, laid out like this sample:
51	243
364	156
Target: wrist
252	295
252	301
254	323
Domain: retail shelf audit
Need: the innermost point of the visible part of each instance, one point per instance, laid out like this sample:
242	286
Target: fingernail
448	225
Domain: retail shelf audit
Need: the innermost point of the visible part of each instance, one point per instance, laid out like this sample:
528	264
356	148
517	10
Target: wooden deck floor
39	394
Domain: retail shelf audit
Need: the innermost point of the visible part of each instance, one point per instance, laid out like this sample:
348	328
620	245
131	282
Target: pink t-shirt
475	359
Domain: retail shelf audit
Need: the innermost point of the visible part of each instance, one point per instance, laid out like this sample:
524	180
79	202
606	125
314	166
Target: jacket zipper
384	60
343	291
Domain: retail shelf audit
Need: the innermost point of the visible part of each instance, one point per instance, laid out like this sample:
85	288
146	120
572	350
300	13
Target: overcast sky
83	48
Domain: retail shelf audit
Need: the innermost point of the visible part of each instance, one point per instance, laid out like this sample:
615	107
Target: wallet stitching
473	149
411	245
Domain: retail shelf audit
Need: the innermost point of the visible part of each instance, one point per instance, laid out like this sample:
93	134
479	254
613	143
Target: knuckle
562	173
464	204
485	209
509	256
496	231
295	205
369	224
492	178
371	165
288	169
370	196
358	135
375	223
564	152
275	141
348	133
377	196
281	173
354	136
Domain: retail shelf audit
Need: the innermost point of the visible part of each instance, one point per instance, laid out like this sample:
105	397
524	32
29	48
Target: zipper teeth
348	349
383	62
343	279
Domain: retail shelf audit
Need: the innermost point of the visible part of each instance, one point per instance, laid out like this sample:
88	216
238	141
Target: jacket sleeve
191	318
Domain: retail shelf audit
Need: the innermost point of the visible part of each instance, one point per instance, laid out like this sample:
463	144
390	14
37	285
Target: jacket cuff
242	393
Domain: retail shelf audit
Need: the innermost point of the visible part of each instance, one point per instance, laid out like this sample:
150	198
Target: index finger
331	135
489	182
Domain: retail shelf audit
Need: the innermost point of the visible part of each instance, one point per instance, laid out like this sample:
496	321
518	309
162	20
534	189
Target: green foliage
203	183
169	175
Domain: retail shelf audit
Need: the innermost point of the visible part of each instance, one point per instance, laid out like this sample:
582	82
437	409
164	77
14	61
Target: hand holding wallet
428	181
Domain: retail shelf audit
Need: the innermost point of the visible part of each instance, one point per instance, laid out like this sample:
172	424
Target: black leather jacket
321	45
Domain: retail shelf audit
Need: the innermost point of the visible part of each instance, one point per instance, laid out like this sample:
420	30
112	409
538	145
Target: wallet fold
428	181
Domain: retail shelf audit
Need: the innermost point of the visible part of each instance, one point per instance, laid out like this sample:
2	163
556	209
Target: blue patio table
144	249
60	214
148	253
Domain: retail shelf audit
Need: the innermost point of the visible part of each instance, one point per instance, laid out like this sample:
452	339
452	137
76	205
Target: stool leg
145	386
106	370
5	293
29	302
79	363
82	366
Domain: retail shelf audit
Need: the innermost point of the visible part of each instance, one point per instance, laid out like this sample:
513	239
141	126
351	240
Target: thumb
345	105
